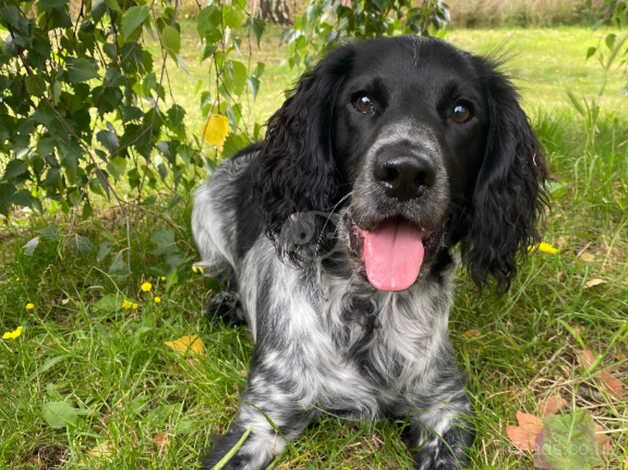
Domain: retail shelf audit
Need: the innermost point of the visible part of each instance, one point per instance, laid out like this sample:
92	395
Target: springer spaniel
338	234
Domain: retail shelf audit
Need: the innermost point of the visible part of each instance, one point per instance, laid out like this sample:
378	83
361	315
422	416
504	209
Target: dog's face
423	144
410	127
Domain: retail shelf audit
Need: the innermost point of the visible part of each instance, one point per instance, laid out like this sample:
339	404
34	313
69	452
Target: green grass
130	389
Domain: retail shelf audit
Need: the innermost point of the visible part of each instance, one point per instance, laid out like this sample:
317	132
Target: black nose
404	177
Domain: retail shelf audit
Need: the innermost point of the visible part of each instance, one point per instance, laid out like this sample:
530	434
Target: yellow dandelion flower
127	304
135	306
13	334
146	287
544	247
29	306
157	299
162	278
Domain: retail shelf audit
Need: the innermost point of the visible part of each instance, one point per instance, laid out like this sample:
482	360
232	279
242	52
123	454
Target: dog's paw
225	305
444	453
221	445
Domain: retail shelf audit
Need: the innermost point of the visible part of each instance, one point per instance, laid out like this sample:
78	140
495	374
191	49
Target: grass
140	405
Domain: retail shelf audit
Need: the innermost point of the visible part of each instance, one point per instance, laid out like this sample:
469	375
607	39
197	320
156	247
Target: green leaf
118	269
50	233
163	241
25	198
133	19
171	39
209	24
568	442
59	414
117	166
81	70
50	4
104	248
6	193
113	4
253	83
257	26
236	76
80	245
232	16
590	51
29	247
109	303
610	40
15	169
109	140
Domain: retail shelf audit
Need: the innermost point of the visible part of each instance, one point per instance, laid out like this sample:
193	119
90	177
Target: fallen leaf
593	283
552	405
567	442
162	441
102	450
561	241
524	435
187	344
612	384
586	256
473	333
215	130
600	436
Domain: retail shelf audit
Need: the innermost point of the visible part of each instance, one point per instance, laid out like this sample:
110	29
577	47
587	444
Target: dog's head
422	145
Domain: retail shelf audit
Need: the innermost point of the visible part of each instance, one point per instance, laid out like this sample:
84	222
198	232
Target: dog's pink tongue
392	255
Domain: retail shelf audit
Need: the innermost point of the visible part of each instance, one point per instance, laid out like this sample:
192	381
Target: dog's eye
364	104
461	112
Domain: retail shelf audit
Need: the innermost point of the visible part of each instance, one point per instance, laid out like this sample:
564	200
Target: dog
393	161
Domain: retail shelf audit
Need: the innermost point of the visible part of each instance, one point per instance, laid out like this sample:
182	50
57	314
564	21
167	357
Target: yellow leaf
13	334
101	451
192	344
594	282
216	130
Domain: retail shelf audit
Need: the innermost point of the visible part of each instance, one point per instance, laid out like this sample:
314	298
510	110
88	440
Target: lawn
90	382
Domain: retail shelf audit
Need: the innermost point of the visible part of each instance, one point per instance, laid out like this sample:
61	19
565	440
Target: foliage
86	110
614	54
325	23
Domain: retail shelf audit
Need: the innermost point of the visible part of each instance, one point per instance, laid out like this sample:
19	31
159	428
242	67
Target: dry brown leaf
612	384
473	333
524	435
600	437
552	405
594	282
162	441
561	241
187	344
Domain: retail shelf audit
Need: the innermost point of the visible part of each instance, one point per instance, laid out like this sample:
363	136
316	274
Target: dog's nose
404	177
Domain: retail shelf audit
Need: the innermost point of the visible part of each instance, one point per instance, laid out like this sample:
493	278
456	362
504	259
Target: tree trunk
277	11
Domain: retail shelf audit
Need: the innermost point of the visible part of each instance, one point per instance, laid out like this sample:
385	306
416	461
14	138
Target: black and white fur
278	223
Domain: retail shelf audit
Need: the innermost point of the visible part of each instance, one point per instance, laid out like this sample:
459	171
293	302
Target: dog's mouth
393	252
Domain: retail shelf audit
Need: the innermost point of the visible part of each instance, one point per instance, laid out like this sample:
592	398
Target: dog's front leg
440	431
274	414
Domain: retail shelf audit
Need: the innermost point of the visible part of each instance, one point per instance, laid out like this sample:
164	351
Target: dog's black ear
296	170
509	195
